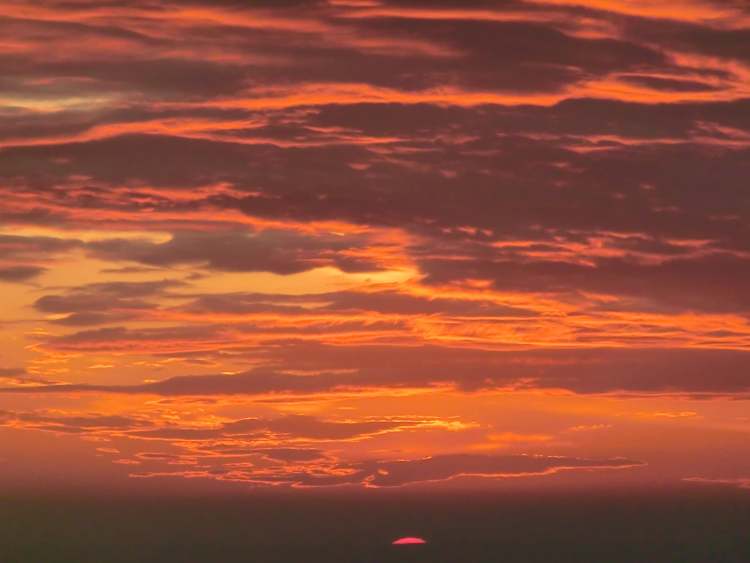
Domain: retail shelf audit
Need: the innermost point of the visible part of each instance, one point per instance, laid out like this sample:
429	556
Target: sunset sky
374	244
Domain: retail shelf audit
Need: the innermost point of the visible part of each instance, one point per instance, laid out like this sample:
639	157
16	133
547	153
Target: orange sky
384	243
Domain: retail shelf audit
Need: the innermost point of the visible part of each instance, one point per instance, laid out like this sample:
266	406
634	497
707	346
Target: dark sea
706	525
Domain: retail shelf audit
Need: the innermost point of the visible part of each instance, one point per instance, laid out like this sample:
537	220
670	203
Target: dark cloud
515	56
94	318
28	256
258	430
72	424
668	84
95	296
523	188
310	427
34	247
181	339
706	40
710	282
248	383
503	186
436	468
119	336
444	467
19	376
130	159
104	302
290	455
19	273
280	252
465	53
12	373
290	426
597	370
386	302
573	116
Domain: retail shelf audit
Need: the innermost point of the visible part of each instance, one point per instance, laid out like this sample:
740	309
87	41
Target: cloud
25	258
310	427
12	374
72	424
105	302
20	273
384	302
533	194
19	376
584	371
280	252
290	426
549	174
272	446
34	247
445	467
668	84
661	283
501	55
692	37
207	337
739	482
249	383
398	473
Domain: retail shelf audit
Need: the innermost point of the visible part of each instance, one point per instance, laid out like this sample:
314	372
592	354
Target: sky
374	244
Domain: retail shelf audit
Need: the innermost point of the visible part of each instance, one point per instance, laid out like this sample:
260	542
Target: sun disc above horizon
409	540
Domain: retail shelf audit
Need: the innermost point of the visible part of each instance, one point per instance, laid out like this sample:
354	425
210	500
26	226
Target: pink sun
409	541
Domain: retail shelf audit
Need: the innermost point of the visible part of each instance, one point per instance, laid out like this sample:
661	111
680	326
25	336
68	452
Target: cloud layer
232	204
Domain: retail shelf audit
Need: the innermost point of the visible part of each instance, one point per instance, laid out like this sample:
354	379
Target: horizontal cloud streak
581	371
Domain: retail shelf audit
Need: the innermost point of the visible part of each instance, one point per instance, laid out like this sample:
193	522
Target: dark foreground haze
706	525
